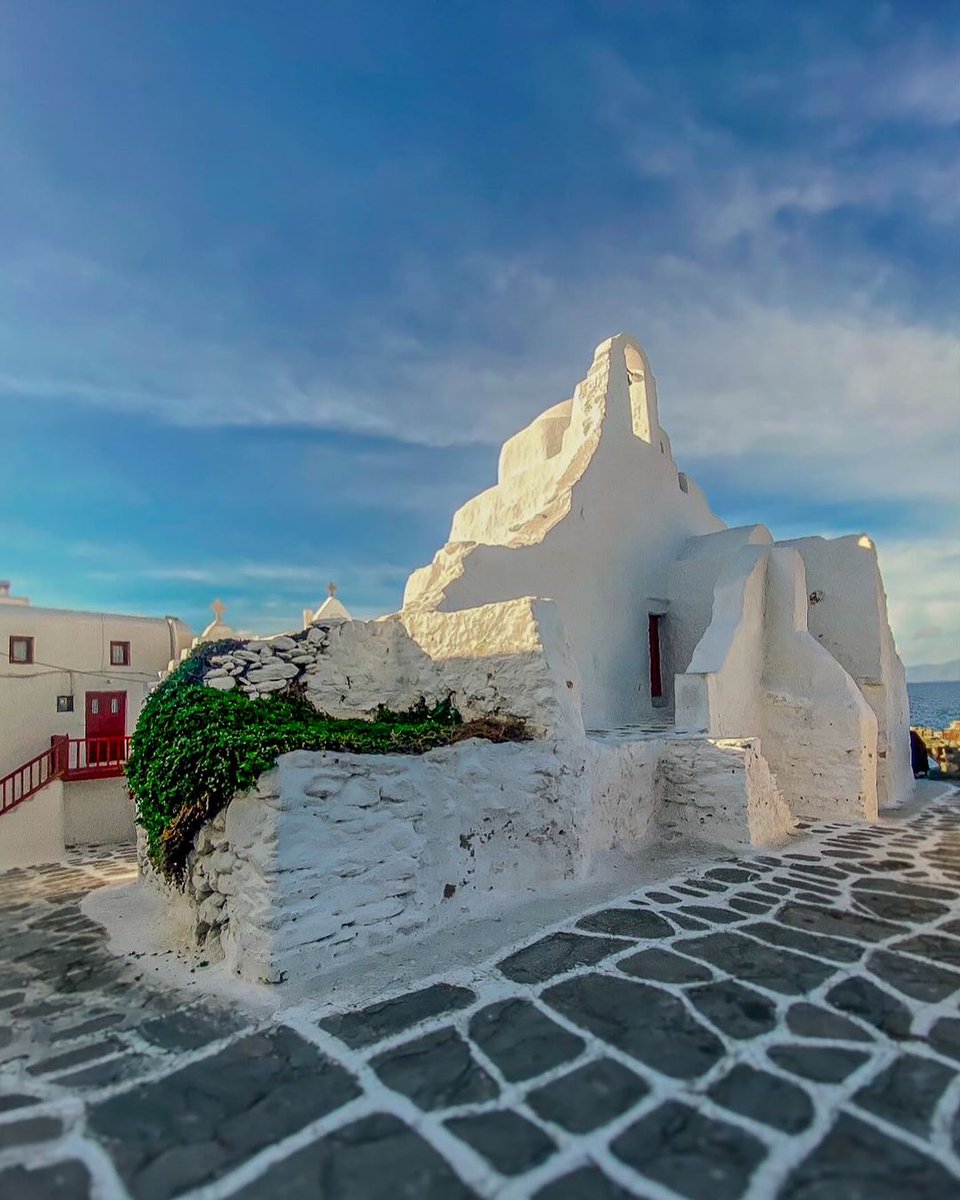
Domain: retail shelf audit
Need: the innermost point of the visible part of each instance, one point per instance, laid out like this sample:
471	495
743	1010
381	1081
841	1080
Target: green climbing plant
195	747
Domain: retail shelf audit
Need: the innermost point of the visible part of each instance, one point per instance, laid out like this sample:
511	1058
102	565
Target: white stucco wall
720	692
72	657
691	584
818	733
588	511
850	620
757	670
98	812
32	832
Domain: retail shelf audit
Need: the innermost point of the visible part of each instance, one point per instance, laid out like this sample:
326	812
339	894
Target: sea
934	705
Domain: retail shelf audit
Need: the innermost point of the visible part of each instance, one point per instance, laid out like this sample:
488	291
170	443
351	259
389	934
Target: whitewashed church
681	681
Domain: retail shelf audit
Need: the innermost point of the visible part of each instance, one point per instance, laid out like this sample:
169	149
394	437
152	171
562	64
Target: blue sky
277	280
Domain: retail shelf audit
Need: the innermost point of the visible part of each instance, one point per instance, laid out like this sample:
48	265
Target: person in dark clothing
918	755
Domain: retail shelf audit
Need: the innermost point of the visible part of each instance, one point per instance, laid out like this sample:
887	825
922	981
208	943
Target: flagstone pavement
775	1025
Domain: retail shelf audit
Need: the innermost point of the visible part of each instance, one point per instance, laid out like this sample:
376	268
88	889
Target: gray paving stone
586	1183
507	1140
837	923
945	1037
812	1021
663	966
731	874
73	1058
834	949
627	922
861	998
68	1180
193	1126
775	889
521	1040
641	1020
556	954
103	1074
695	1155
28	1131
85	1028
711	914
898	887
750	907
919	979
938	947
907	1092
819	871
738	1011
817	891
436	1070
189	1028
764	1097
912	910
376	1158
15	1100
589	1096
856	1161
685	921
365	1026
823	1064
753	962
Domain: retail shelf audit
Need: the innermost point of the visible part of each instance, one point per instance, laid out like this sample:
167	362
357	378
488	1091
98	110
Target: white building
673	617
331	611
81	677
681	680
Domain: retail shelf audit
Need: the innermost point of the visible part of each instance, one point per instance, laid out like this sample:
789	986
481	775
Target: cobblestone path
780	1025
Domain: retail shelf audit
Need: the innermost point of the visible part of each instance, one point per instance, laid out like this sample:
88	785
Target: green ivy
195	747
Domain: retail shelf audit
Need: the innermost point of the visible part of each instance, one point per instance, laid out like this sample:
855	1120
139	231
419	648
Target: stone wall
510	659
332	855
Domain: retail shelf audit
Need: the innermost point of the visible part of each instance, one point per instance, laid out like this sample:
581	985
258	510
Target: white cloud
922	579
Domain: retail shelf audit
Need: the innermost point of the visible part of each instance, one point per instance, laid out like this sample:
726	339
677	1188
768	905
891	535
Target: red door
106	726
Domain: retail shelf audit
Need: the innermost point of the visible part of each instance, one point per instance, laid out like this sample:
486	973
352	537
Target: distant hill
948	672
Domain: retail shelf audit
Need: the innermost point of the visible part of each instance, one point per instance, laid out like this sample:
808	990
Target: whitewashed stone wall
508	659
336	854
758	669
332	855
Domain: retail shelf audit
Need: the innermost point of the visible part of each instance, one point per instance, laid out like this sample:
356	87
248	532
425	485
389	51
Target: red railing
95	758
23	782
66	758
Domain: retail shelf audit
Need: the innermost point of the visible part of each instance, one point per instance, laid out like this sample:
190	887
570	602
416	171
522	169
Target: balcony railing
66	758
95	758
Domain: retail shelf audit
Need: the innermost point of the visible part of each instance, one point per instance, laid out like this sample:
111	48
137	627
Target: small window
21	649
119	654
95	706
114	705
64	704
